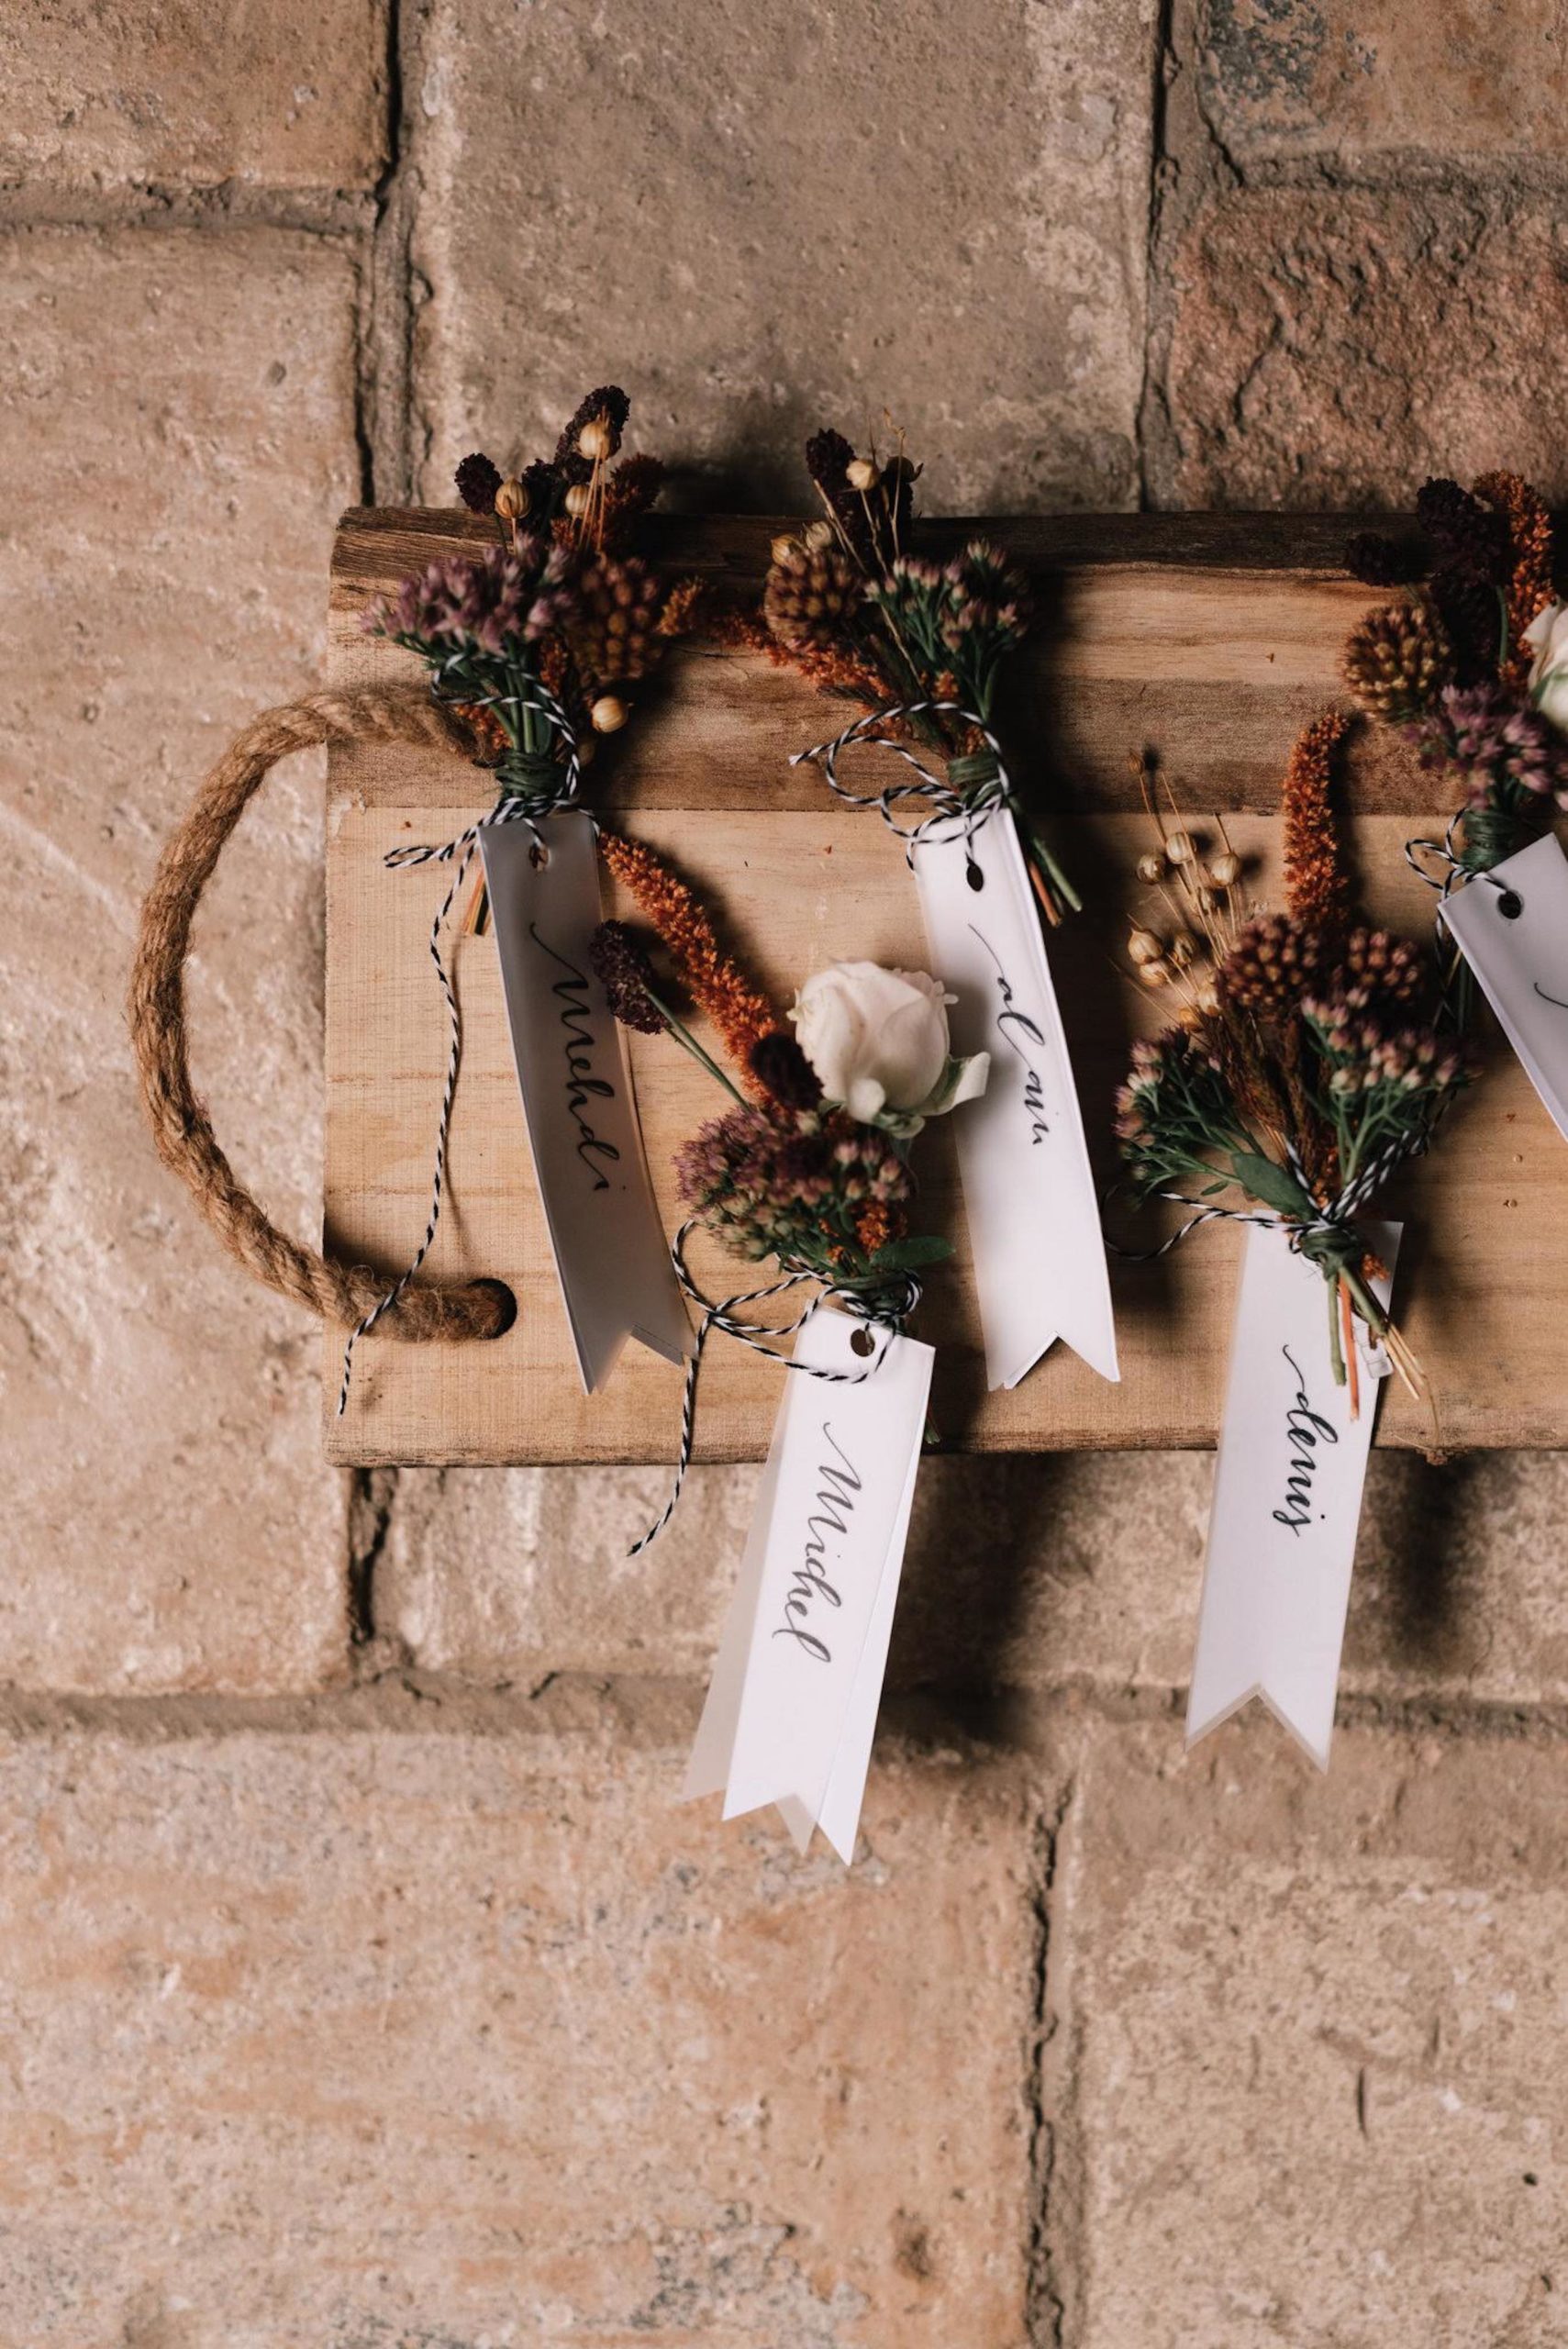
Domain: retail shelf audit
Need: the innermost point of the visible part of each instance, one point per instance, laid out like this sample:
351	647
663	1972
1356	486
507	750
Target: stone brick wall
358	1984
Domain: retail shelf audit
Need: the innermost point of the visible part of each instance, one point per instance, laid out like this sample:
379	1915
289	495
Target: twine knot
882	1309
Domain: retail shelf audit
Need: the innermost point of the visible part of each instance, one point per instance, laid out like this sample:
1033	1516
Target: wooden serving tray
1210	639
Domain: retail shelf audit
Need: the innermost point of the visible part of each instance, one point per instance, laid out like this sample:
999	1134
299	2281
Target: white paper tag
792	1707
611	1255
1288	1494
1028	1192
1522	963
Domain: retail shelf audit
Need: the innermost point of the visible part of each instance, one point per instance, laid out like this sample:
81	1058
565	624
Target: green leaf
909	1255
1272	1184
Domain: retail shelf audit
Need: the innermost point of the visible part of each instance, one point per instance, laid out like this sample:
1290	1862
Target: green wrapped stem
971	774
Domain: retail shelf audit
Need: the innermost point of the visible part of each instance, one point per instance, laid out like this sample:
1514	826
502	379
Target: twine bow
1327	1237
524	800
883	1313
1460	863
975	786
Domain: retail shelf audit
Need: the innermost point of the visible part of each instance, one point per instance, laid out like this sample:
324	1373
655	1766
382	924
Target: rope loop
156	1009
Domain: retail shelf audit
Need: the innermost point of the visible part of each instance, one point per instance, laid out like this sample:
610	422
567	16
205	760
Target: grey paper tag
610	1252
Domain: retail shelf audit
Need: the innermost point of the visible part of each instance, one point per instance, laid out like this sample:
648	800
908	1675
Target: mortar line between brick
334	213
1163	38
991	1720
1045	2312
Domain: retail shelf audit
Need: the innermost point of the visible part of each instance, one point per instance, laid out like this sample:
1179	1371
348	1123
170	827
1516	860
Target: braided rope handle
181	1127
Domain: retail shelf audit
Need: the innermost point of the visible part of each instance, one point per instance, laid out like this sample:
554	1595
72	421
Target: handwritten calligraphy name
574	994
1018	1031
809	1584
1306	1429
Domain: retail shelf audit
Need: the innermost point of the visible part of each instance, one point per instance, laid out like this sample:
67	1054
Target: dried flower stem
740	1011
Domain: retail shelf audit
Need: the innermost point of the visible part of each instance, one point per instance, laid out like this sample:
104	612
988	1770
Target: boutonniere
1309	1061
1470	665
853	604
538	644
807	1169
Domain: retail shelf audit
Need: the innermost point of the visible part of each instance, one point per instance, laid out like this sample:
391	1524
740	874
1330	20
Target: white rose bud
1547	637
878	1041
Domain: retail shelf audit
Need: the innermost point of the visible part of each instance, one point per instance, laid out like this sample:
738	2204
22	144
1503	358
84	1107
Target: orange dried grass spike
1318	886
1529	582
742	1014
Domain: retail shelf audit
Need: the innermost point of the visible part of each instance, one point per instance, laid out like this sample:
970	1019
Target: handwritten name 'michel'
808	1584
573	994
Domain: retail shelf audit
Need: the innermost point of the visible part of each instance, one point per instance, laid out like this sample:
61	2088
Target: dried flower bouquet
809	1164
1471	665
1307	1064
851	606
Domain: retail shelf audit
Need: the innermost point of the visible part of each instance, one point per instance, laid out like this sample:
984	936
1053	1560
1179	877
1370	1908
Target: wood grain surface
1205	638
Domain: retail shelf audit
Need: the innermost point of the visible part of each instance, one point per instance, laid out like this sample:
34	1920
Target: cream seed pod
1145	946
861	474
512	499
579	497
1183	949
783	546
609	714
1179	848
595	440
1151	869
1155	974
1225	870
815	536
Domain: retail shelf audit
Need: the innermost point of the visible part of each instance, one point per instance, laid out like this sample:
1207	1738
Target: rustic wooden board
1210	638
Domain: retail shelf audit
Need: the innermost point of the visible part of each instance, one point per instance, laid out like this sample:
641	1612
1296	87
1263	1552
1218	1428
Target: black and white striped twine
1332	1220
512	808
955	814
883	1320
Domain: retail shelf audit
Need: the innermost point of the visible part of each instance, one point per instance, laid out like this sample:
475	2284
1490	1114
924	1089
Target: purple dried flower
473	602
784	1183
626	974
1502	746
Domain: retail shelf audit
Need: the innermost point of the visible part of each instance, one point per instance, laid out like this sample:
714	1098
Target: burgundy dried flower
1379	968
1471	614
618	606
1272	963
1380	561
608	405
828	458
477	481
620	961
782	1069
1471	538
